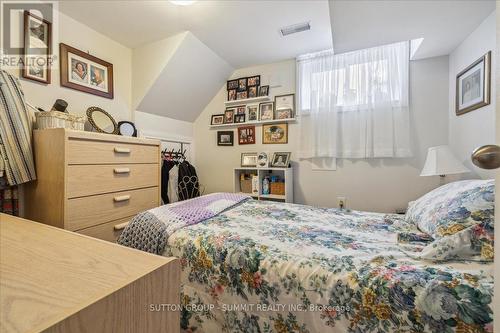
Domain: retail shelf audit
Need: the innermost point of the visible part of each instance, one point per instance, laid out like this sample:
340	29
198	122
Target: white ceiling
443	24
243	33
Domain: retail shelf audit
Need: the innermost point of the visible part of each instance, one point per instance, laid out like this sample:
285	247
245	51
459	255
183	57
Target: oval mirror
101	121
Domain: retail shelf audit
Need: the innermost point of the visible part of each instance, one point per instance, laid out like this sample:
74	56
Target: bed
261	266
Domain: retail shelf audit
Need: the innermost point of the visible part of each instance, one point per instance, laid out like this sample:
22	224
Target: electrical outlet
341	202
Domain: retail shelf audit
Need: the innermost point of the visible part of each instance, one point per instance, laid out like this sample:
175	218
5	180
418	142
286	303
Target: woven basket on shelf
56	119
278	188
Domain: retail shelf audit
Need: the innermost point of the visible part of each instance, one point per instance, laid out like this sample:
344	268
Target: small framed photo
232	84
229	116
242	84
283	114
262	160
280	160
239	118
264	91
473	86
217	119
82	71
242	95
240	109
253	112
37	48
275	133
285	103
252	92
225	138
249	160
231	95
246	135
253	81
266	111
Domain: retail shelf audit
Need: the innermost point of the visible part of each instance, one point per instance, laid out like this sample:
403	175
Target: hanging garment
16	123
9	198
188	181
165	170
173	183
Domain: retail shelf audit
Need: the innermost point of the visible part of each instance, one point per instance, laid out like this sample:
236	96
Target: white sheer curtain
354	105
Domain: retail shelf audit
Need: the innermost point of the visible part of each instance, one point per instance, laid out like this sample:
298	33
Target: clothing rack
172	153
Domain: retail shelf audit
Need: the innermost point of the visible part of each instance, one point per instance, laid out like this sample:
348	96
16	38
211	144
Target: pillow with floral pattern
454	207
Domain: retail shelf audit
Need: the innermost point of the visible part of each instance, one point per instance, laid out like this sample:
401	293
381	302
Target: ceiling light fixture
183	2
293	29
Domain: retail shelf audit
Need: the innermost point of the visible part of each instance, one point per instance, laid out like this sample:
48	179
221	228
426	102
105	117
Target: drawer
109	231
100	152
84	180
91	211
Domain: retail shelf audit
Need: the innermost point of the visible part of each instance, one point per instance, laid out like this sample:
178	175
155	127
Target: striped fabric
16	123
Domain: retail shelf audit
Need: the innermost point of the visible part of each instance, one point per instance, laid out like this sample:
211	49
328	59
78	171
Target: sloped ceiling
187	81
442	24
244	33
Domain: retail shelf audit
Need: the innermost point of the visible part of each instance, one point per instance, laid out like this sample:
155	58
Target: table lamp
441	161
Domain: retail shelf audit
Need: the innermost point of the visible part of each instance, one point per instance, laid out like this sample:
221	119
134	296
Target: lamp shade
441	161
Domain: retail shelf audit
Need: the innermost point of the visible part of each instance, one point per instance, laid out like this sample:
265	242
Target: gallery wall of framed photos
273	115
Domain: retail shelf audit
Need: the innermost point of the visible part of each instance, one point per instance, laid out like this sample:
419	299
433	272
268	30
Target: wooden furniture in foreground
92	183
53	280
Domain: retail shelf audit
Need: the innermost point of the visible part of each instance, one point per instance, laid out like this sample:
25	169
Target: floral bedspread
274	267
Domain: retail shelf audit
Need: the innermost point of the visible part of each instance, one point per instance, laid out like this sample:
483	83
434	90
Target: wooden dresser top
48	274
101	136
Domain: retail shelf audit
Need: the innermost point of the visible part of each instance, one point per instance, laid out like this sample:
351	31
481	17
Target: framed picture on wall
253	80
84	72
242	95
275	133
229	116
37	48
231	95
266	111
280	160
253	112
239	118
284	106
264	91
242	84
217	119
225	138
246	135
473	86
232	84
249	160
252	92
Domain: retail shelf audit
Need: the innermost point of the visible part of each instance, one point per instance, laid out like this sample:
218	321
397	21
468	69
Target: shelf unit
285	174
259	99
255	122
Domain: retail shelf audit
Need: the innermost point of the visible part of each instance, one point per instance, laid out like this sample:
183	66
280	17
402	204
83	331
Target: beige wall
82	37
377	185
475	128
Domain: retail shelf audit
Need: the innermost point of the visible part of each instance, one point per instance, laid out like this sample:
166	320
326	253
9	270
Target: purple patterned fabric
149	230
205	207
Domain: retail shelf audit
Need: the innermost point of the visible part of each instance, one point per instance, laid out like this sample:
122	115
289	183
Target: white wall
82	37
477	127
377	185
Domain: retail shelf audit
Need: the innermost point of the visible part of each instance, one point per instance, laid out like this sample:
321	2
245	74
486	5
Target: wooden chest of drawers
52	280
92	183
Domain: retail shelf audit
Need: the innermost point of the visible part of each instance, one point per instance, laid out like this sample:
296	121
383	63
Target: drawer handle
121	198
121	170
121	226
122	150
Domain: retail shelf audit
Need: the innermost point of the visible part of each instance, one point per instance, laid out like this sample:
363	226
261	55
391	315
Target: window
362	96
